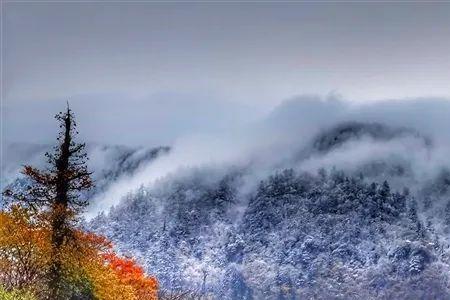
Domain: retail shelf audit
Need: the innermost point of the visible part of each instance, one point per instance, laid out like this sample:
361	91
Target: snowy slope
108	163
360	212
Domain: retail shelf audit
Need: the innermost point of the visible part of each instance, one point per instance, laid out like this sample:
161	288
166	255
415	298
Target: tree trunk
59	213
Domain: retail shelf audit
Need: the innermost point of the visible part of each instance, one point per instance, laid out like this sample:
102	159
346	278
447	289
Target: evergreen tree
56	190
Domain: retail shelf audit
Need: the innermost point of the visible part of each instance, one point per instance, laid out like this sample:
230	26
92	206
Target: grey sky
197	65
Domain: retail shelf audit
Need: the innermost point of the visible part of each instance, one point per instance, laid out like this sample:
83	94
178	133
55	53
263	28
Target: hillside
329	224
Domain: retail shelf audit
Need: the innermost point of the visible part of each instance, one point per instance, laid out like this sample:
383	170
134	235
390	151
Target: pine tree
56	190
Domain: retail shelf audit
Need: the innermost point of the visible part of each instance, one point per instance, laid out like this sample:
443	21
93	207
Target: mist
236	150
122	119
284	138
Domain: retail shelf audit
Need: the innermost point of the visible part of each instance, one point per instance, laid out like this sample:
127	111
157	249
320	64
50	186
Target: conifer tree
56	190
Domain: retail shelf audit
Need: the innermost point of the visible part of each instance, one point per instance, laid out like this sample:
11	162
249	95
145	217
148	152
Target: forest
375	229
224	150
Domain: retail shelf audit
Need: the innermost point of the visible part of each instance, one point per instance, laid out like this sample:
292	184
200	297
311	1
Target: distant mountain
351	131
362	213
108	163
112	162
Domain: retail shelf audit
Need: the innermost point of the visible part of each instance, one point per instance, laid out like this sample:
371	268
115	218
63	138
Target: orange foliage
41	247
132	274
25	250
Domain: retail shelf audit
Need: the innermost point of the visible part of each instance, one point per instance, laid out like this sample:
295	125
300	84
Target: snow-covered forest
351	210
224	150
374	231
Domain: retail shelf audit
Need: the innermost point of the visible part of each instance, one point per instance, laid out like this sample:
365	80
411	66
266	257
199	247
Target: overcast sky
140	73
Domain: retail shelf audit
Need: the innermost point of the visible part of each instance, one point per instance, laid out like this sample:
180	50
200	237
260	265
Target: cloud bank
284	139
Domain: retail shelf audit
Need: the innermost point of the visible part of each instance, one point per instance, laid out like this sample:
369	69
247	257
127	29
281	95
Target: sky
150	72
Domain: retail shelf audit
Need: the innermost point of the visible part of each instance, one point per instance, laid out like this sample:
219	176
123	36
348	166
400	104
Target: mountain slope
108	163
329	229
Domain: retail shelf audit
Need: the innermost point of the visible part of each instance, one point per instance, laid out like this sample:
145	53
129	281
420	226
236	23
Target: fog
154	119
283	139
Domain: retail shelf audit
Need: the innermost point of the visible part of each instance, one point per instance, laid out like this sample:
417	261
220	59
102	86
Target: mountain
361	212
348	131
108	163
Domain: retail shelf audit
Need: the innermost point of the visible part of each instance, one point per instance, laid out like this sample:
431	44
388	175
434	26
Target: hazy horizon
166	70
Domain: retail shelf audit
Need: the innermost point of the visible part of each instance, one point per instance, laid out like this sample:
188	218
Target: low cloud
279	140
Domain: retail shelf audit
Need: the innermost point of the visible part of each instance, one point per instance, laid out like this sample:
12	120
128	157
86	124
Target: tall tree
57	191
